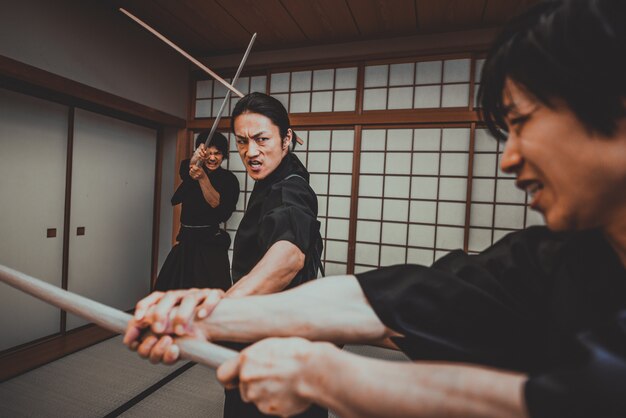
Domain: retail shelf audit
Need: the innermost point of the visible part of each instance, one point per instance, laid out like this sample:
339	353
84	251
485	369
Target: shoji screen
210	94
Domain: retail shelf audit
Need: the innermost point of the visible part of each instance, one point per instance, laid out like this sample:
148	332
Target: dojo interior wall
389	193
90	44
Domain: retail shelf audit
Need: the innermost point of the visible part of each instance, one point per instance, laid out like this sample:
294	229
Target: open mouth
532	187
254	165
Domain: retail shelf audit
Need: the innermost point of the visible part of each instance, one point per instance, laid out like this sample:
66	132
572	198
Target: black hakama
200	258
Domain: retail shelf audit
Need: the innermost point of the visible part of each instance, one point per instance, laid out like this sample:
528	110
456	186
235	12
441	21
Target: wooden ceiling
216	27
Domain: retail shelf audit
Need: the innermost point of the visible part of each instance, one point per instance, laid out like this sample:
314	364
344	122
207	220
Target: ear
287	139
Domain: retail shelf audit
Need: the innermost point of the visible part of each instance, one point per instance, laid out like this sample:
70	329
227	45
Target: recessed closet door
33	148
111	212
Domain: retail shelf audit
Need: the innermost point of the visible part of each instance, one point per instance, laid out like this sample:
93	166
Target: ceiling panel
323	20
449	15
498	11
384	18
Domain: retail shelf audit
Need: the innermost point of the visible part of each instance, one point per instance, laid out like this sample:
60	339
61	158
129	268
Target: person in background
208	195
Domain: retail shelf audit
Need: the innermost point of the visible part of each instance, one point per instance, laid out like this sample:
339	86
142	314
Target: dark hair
218	141
267	106
568	50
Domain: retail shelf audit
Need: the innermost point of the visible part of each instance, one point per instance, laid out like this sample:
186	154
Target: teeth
532	189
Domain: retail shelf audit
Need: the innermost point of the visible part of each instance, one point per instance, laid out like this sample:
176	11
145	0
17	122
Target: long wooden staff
182	52
227	97
206	353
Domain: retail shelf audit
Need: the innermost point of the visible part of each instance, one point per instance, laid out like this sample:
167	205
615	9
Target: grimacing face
214	158
259	144
574	177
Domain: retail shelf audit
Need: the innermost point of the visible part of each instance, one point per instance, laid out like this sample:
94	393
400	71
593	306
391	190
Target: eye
261	139
241	141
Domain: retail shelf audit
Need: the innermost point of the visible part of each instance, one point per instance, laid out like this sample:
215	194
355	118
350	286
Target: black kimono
281	207
552	305
200	259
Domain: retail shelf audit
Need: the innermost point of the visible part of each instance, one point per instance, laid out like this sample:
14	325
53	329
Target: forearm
329	309
355	386
272	273
211	195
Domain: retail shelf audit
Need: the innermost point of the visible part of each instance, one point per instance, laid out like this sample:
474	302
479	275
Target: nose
512	159
253	149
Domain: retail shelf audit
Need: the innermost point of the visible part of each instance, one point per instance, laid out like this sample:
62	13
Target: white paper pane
456	70
345	101
400	98
323	79
335	269
400	139
283	98
321	205
420	256
508	216
375	99
318	162
423	211
345	78
422	236
366	254
428	72
376	75
427	97
401	74
341	162
279	83
481	214
304	135
300	102
454	164
301	81
498	234
424	187
372	162
243	85
371	186
439	254
370	208
368	231
484	142
336	251
322	101
337	228
219	90
362	269
453	189
455	95
373	140
449	238
319	183
451	213
340	184
455	139
507	192
343	140
485	165
319	140
397	186
204	88
394	233
478	69
395	210
392	255
479	239
483	190
398	163
339	207
426	163
203	108
427	140
258	84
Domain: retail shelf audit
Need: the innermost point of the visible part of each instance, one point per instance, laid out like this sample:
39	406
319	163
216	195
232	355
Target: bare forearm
211	195
272	273
329	309
354	386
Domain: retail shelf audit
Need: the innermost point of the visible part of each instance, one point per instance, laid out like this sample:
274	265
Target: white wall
169	172
88	41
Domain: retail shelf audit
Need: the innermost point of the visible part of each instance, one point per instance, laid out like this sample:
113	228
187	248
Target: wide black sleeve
183	171
229	195
289	214
485	308
593	385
